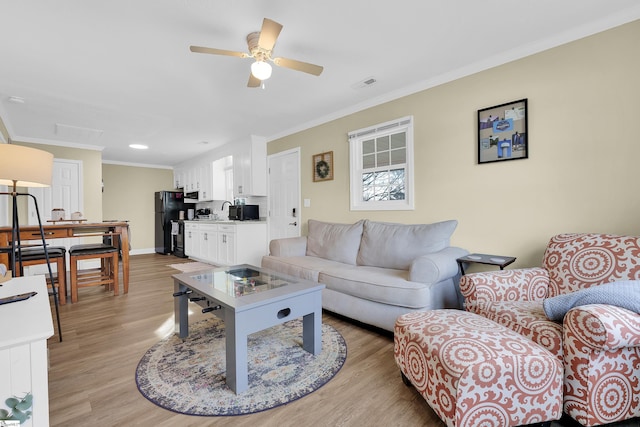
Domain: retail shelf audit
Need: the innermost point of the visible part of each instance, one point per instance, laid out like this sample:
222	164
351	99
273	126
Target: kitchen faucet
223	203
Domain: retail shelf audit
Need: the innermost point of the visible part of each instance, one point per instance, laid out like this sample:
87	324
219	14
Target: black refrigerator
168	207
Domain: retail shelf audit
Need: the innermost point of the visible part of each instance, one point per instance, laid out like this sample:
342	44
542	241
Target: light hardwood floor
92	372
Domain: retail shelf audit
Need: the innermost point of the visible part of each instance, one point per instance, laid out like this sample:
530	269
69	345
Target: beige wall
128	195
92	175
582	169
128	192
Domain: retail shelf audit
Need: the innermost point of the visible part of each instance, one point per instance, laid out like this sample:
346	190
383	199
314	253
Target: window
382	166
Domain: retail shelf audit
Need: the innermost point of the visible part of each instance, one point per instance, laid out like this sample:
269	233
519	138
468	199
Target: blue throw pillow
625	294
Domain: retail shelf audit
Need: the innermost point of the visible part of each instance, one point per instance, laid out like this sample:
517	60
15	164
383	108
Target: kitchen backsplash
216	206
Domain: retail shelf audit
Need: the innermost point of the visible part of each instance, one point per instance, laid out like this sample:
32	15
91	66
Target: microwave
193	195
244	212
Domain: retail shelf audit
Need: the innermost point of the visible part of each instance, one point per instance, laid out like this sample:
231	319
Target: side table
499	260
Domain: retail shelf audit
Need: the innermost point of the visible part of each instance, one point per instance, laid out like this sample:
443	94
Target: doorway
284	194
66	193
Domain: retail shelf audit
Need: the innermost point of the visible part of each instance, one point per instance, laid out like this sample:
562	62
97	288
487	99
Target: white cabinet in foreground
23	346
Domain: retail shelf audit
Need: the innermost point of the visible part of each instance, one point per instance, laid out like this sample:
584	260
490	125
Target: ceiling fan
261	45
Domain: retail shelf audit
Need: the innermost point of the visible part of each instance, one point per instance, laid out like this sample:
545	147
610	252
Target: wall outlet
307	203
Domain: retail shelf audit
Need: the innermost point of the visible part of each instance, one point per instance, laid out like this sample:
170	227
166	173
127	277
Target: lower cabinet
191	239
208	241
226	244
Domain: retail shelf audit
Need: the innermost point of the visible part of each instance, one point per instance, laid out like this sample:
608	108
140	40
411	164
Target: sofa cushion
336	242
304	267
383	285
526	318
391	245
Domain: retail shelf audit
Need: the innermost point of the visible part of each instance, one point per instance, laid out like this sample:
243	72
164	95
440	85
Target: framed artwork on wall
502	132
323	166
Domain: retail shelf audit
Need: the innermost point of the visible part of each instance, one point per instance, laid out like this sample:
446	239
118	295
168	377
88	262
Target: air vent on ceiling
77	134
368	82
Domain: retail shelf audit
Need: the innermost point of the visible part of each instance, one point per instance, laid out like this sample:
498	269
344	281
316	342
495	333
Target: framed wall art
323	166
502	132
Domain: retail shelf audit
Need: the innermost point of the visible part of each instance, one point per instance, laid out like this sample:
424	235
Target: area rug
187	267
188	376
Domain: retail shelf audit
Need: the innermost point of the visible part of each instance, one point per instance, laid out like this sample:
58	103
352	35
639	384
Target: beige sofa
374	271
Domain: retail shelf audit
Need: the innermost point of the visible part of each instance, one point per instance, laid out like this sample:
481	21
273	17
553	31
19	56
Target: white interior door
284	194
66	193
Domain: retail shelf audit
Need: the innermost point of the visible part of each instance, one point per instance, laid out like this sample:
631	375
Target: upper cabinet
179	177
238	169
250	168
205	187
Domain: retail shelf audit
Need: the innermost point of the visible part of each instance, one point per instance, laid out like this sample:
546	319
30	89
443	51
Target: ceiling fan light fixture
261	70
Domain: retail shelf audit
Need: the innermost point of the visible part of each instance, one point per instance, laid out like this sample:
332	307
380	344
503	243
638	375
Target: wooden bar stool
57	254
106	275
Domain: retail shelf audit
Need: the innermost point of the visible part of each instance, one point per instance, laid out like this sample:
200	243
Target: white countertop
29	320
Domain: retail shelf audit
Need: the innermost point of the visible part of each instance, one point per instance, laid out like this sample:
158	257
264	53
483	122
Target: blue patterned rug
188	376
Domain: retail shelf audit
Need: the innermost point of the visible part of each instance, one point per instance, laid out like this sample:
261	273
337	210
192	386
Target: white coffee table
249	299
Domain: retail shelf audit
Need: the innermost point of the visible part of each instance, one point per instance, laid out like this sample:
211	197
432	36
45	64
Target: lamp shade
261	70
28	166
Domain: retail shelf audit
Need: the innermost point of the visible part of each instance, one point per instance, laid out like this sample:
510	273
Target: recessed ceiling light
138	146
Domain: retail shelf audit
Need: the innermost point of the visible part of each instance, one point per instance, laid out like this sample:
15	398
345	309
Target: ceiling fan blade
253	82
200	49
305	67
269	34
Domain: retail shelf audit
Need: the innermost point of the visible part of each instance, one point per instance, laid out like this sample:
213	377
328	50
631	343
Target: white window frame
356	170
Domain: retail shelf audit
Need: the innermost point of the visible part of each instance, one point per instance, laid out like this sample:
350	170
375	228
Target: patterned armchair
599	344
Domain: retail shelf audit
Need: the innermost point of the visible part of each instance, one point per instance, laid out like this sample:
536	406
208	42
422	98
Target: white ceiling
113	72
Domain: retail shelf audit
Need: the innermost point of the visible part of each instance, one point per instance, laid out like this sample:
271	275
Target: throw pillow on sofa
392	245
337	242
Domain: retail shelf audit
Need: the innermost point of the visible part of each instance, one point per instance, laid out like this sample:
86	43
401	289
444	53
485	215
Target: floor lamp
26	167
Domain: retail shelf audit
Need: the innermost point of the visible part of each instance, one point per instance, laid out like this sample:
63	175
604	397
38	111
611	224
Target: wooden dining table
73	229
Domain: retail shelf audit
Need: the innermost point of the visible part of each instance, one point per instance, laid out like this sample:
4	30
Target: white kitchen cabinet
250	168
205	185
208	242
243	243
226	243
191	239
179	178
194	179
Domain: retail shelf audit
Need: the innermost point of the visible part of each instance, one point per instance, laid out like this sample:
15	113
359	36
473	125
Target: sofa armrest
525	284
600	327
437	266
288	247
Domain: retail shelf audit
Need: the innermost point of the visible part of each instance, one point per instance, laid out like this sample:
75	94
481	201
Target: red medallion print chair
598	344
